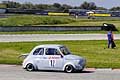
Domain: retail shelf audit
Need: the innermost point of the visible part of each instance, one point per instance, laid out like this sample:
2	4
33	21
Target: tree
39	6
54	7
101	8
27	6
92	6
115	9
85	5
76	7
65	8
11	4
57	5
88	6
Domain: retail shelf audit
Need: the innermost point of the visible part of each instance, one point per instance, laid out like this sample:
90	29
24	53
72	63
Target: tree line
55	6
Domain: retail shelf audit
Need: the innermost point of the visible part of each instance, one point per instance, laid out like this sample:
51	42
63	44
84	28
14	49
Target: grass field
95	52
58	32
29	20
36	20
26	20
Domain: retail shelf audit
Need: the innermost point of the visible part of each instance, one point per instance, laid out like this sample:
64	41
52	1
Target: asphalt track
13	72
52	37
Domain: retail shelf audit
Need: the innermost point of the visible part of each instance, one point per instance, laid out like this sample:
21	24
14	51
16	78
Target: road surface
53	37
13	72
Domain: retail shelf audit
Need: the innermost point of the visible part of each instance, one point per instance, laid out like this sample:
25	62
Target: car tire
69	68
30	67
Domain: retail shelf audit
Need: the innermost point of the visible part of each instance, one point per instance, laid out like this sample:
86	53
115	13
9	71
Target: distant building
101	11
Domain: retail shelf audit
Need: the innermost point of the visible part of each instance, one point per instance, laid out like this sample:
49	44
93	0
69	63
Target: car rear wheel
30	67
69	68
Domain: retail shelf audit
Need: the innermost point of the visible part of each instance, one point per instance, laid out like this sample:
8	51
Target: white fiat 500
53	57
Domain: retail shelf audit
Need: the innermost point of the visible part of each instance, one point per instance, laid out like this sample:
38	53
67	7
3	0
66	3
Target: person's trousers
109	43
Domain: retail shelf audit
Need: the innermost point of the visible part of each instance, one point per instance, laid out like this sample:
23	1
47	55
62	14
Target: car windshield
64	50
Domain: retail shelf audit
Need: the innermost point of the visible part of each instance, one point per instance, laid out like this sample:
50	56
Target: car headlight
82	61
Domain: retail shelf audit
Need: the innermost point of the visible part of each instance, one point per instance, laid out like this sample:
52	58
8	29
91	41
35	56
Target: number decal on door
52	63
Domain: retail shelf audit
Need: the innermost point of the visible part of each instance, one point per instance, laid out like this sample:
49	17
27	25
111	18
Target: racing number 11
52	63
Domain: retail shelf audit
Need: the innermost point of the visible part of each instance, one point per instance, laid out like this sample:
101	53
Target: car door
54	60
38	56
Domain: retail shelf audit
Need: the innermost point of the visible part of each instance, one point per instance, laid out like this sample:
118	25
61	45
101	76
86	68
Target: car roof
49	46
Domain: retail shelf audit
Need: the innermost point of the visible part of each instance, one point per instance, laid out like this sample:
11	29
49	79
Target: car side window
39	51
52	51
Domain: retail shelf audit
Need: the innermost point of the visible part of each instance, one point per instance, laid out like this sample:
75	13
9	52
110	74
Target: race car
53	57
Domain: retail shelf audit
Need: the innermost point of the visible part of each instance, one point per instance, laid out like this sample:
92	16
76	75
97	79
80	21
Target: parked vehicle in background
2	10
115	13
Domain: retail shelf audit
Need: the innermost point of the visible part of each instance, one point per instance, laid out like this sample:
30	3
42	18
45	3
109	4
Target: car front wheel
30	67
69	68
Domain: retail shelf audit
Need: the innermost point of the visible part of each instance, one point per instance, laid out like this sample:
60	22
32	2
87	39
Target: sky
101	3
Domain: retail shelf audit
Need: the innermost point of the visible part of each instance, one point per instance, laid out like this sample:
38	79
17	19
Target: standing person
110	39
76	15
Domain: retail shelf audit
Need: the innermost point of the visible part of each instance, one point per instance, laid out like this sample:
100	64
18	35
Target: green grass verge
29	20
95	52
36	20
58	32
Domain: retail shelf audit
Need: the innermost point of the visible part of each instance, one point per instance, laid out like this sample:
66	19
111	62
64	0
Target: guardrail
55	28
